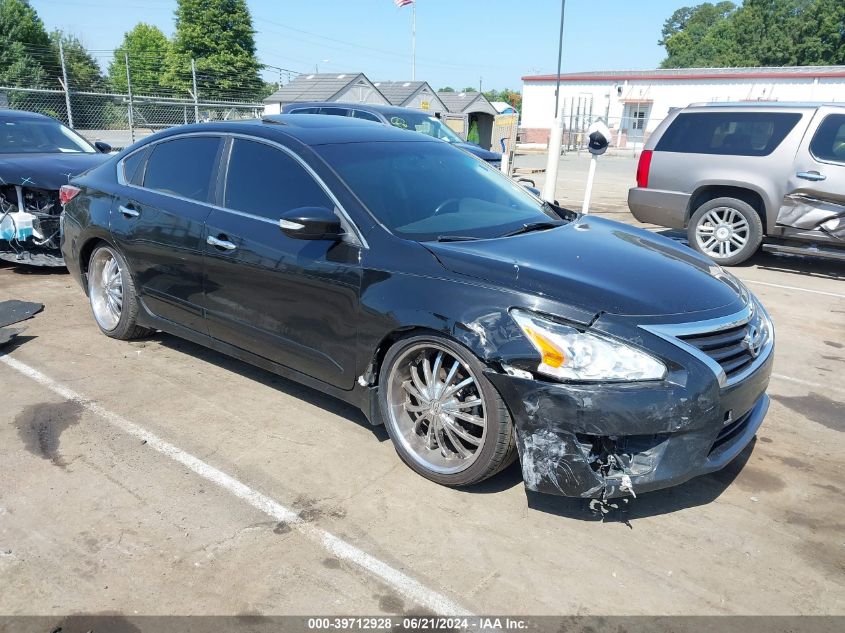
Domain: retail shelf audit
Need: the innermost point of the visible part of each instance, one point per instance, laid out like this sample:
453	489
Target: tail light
67	193
643	167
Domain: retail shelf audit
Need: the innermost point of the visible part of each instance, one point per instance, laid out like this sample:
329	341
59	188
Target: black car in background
37	156
402	118
404	276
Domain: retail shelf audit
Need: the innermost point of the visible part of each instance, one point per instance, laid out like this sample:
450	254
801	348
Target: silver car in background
736	176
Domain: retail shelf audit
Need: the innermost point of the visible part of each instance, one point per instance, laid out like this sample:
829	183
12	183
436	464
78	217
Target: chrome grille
732	346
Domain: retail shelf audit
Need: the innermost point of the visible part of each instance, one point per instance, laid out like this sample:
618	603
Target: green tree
821	40
147	49
699	36
83	76
83	71
758	33
26	56
447	89
219	36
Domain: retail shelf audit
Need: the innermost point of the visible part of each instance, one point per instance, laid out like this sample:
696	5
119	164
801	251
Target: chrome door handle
129	212
811	175
224	244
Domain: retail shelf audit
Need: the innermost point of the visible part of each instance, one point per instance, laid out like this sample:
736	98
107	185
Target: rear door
814	204
159	221
292	301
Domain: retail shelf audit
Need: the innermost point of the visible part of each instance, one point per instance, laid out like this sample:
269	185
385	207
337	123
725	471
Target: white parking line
815	292
807	383
395	579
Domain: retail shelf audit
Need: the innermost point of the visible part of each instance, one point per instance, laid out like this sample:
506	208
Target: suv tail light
643	167
67	193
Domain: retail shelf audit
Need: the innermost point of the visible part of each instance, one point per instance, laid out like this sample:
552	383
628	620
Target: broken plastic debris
627	486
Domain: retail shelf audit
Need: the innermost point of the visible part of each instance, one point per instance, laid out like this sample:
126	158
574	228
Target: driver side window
264	181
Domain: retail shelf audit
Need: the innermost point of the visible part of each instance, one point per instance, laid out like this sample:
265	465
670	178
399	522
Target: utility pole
559	55
414	42
196	100
66	85
131	107
557	126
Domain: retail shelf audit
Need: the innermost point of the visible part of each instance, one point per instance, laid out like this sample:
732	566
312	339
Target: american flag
402	3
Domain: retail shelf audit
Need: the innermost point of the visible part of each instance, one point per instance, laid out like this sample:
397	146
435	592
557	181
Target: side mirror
103	147
311	223
527	181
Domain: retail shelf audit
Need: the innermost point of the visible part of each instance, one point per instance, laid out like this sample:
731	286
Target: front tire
112	294
446	420
727	230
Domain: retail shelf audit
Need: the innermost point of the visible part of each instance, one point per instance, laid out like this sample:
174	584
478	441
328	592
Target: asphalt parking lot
158	477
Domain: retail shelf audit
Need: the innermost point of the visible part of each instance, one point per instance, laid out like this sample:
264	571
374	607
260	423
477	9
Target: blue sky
458	41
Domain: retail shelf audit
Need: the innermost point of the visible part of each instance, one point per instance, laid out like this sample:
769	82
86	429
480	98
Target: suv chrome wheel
436	408
105	283
722	232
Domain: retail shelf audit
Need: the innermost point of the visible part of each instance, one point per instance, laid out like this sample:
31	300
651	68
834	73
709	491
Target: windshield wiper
534	226
455	238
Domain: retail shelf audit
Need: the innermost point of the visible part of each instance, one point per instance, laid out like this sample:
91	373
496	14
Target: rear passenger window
334	111
728	133
829	141
264	181
365	115
183	167
131	172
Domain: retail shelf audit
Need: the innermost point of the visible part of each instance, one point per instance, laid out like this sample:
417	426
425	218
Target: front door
291	301
159	221
634	120
814	205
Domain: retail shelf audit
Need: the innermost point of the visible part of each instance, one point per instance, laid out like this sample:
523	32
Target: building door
634	120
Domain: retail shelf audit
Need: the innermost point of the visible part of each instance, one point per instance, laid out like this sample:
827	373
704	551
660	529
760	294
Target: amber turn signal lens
552	356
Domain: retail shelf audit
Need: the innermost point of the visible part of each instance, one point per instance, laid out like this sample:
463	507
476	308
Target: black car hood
596	265
45	171
479	151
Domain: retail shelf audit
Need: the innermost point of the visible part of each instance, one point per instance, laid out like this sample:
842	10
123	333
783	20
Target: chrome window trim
355	233
671	331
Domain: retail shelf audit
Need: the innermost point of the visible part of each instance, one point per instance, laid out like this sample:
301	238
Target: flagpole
414	43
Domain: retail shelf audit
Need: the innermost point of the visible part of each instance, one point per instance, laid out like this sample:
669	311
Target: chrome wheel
722	232
436	408
105	286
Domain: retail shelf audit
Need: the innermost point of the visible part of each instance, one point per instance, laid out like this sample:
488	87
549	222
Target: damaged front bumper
30	225
613	439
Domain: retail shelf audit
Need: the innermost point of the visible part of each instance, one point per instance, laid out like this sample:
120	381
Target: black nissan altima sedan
477	322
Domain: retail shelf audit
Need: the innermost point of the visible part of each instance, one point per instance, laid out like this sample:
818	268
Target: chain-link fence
629	132
122	98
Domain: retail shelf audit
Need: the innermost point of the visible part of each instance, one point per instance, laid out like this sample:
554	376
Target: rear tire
112	294
727	230
446	420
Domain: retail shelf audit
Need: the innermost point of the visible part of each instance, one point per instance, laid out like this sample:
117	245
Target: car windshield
35	136
426	191
419	122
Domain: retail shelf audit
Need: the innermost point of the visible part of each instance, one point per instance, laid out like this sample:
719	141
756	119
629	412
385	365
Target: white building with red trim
635	101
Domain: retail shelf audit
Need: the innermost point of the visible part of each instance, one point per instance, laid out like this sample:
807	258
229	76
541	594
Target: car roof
309	129
387	110
23	115
764	105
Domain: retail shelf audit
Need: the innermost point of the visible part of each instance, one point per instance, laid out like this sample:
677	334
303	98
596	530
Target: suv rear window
727	133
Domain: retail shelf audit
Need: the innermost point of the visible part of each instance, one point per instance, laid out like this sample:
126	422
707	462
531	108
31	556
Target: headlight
567	354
